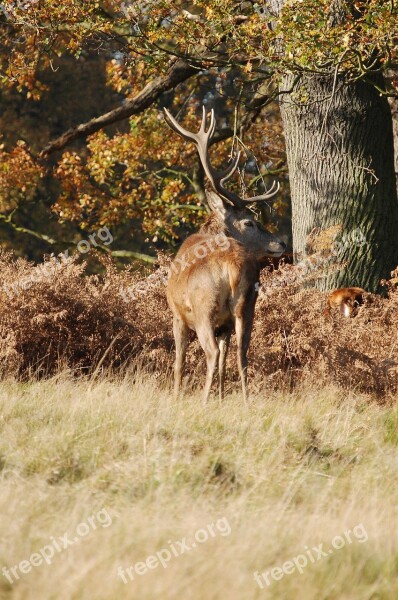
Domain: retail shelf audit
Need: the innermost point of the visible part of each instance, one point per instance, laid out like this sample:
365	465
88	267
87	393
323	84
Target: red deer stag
212	283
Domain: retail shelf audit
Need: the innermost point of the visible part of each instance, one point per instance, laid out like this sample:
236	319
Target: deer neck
214	225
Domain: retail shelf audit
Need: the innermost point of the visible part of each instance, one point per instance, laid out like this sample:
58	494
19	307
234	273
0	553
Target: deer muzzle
276	247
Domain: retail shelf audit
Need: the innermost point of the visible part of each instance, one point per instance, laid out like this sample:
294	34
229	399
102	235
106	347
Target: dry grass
308	461
294	470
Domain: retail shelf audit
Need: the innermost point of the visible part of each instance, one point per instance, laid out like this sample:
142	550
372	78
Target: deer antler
217	178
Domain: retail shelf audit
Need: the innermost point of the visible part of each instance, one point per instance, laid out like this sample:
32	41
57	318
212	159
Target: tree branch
180	71
136	255
147	258
20	229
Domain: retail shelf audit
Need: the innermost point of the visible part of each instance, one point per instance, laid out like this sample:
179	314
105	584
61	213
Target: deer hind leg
243	329
208	342
180	331
223	344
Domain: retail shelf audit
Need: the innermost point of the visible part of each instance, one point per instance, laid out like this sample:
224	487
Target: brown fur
347	300
213	284
213	225
213	296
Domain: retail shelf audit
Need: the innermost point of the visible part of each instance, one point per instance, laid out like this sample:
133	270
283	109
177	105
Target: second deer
347	300
212	284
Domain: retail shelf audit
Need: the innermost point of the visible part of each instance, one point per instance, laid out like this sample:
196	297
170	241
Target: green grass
290	473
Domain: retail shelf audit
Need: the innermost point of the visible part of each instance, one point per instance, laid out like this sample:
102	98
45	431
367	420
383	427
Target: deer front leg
180	331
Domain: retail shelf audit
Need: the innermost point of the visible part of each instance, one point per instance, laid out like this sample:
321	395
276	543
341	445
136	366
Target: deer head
232	212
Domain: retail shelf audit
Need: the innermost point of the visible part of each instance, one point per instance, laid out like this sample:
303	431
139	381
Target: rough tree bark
394	111
341	167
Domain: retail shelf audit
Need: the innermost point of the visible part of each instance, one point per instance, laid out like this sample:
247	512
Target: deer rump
220	284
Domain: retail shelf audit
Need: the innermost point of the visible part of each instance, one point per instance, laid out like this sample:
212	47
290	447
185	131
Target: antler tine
188	135
203	137
202	141
230	170
212	125
274	189
217	178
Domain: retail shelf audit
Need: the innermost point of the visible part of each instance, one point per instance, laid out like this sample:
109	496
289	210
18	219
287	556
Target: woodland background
85	147
87	419
64	65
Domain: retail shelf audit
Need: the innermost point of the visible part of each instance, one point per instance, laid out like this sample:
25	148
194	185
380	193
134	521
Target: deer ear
216	203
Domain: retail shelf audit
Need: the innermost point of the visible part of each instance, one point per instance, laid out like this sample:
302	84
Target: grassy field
109	490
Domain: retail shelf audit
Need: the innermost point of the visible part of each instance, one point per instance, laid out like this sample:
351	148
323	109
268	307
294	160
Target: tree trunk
394	112
341	167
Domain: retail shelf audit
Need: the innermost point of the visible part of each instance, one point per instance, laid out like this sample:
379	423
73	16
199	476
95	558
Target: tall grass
292	471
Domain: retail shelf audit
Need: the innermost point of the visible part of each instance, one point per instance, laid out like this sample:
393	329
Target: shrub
55	316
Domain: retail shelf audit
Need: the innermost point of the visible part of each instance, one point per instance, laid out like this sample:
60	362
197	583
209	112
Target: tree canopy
145	54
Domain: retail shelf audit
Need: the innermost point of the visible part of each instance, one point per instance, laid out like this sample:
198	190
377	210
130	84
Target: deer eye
249	224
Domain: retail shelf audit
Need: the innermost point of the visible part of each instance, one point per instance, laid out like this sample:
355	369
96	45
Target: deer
347	300
213	280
